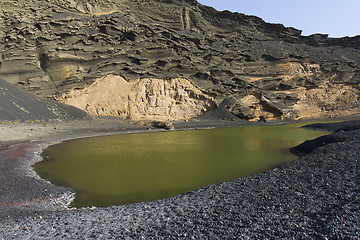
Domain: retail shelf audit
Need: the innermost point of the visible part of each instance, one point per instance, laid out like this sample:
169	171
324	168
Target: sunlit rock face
51	47
143	99
328	100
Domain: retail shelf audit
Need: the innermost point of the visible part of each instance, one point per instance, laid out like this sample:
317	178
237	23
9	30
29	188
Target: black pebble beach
315	197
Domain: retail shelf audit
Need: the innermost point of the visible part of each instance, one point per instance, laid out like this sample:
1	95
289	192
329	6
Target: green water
122	169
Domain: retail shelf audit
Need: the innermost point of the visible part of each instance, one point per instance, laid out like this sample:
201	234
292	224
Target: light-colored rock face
296	69
143	99
328	100
297	90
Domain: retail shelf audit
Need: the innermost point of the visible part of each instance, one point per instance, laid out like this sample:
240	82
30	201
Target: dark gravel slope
16	104
314	197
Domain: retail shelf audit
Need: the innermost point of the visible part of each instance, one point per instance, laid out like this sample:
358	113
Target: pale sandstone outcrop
142	99
328	100
293	93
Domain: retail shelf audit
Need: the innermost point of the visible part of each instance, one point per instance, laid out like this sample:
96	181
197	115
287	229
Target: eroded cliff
51	47
142	99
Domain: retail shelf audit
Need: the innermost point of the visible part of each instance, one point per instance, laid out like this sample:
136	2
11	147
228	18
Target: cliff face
52	48
143	99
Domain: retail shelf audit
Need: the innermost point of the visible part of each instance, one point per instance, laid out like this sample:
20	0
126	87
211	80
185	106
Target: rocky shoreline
316	196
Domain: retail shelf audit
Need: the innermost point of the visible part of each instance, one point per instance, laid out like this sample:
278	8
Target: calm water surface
122	169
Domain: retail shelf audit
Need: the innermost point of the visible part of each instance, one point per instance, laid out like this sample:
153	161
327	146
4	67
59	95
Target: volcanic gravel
16	104
315	197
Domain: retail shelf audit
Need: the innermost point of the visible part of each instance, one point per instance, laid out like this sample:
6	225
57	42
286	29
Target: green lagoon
129	168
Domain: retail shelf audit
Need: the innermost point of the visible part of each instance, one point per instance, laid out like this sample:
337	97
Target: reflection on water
122	169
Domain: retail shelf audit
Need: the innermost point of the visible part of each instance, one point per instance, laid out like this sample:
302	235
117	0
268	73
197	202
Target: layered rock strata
50	47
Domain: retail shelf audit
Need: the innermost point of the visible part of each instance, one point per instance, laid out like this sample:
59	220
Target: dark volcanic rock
343	132
336	126
49	47
279	109
238	108
164	125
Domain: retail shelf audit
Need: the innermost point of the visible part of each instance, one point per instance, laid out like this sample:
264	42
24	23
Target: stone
52	47
280	110
164	125
238	108
262	119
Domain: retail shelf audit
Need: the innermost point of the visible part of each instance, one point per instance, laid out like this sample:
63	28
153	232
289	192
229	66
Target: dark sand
315	197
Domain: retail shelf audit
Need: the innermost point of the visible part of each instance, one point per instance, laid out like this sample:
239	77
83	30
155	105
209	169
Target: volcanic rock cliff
205	58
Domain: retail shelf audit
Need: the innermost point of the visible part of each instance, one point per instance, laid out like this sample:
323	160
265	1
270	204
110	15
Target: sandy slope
16	104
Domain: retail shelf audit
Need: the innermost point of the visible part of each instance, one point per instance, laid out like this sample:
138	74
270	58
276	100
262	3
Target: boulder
279	110
238	108
164	125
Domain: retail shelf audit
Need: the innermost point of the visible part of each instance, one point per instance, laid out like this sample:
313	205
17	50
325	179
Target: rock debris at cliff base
51	47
